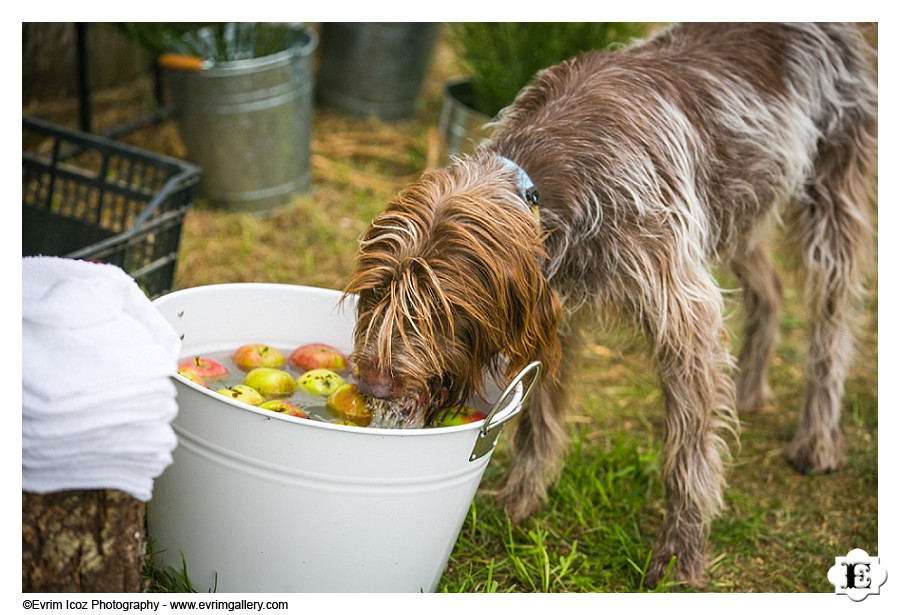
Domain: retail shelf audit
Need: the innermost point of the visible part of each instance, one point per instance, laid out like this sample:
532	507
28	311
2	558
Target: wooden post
82	541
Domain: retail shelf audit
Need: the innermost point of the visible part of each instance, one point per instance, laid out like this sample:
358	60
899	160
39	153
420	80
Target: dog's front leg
692	359
540	437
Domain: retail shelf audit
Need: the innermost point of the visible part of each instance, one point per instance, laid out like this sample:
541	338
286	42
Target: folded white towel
85	333
139	438
97	398
113	291
73	420
134	477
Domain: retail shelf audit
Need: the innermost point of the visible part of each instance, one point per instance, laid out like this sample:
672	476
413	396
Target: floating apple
187	373
250	356
244	393
205	368
462	416
271	382
348	404
282	406
320	356
320	381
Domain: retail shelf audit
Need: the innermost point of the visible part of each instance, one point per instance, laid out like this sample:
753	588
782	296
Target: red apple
250	356
320	356
285	407
205	368
462	416
187	373
348	404
271	382
241	392
320	381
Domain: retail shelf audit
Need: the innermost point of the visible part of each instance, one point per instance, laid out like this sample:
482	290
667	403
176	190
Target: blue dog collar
527	190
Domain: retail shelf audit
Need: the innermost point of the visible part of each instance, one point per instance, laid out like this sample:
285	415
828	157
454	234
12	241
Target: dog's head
449	286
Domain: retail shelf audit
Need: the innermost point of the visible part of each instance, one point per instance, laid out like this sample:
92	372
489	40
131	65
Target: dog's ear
536	313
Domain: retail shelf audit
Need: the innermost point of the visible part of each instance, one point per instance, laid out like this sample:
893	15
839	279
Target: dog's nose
376	384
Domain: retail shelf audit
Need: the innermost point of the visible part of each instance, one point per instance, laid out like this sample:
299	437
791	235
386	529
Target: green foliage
217	42
167	580
590	537
501	58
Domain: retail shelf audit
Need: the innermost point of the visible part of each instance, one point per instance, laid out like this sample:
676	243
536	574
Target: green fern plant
216	42
500	58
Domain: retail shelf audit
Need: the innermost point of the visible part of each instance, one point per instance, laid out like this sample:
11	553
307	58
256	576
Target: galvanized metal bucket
375	68
461	126
257	501
248	124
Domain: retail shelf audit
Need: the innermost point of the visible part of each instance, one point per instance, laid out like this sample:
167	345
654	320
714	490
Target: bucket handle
490	429
180	61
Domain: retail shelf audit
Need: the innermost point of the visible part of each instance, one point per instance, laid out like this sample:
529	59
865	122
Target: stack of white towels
97	399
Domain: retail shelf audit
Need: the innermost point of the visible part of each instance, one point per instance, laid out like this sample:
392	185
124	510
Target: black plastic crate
91	198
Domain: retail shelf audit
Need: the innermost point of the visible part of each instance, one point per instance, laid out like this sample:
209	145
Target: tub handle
490	429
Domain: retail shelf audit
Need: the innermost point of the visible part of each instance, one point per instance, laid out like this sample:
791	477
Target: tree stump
82	541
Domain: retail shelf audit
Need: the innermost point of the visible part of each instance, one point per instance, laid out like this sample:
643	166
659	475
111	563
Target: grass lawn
780	531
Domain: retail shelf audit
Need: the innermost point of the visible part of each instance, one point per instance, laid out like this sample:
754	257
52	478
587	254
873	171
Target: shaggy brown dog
651	164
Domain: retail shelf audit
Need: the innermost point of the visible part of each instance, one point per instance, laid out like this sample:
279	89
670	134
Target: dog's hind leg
833	233
762	295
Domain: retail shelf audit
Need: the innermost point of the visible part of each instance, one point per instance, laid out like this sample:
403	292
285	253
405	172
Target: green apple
320	381
250	356
348	404
461	416
282	406
271	382
241	392
193	377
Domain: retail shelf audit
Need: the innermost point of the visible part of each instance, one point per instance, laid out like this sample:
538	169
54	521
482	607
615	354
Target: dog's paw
519	501
750	398
667	569
522	494
815	453
754	402
519	508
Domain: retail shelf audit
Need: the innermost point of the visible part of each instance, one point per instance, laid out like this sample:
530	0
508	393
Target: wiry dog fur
653	164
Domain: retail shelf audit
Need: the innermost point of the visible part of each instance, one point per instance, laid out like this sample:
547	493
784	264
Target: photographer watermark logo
857	575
